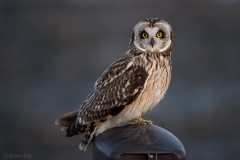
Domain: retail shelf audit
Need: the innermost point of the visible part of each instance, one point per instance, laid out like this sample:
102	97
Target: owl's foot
142	121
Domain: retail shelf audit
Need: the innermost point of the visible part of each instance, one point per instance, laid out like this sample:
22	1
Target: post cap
134	140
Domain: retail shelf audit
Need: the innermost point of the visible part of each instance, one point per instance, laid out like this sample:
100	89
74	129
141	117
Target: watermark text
17	155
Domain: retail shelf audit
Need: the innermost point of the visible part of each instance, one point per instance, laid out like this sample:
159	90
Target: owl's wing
113	92
114	70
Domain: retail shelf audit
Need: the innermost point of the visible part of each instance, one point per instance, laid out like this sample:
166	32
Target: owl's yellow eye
159	34
144	35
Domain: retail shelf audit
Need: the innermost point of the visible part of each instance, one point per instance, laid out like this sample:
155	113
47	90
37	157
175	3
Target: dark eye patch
144	34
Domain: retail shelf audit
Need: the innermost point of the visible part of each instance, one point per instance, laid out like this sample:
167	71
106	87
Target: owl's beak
152	42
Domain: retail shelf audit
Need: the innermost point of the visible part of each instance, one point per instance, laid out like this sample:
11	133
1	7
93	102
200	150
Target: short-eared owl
129	87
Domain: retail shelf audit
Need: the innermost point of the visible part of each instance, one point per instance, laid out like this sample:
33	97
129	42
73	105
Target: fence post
137	142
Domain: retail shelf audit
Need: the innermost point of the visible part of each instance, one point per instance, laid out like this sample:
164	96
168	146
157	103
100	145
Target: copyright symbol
5	155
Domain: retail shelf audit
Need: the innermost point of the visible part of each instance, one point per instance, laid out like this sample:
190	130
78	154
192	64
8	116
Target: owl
129	87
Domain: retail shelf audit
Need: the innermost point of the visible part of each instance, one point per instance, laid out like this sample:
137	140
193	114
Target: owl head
152	34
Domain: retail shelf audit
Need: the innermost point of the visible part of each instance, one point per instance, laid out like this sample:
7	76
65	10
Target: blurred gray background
52	52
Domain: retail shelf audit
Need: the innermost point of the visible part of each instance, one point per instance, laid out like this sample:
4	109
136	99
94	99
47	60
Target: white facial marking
168	44
139	47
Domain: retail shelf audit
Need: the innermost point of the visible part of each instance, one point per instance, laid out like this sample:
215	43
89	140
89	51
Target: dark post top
134	141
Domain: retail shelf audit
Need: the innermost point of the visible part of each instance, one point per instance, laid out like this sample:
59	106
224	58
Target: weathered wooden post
137	142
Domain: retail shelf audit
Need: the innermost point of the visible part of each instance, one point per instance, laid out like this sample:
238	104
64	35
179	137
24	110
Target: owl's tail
71	128
68	123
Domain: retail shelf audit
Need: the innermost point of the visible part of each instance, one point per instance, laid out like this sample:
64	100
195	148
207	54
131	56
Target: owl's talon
142	121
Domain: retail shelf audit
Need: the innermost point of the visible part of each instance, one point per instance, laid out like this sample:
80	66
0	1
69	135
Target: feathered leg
87	140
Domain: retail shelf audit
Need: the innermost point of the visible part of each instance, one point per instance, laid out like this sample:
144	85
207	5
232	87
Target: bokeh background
52	52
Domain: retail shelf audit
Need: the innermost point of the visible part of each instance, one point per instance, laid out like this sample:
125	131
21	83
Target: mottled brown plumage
129	87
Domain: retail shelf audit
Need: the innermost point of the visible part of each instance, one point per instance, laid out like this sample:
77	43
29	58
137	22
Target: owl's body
154	89
129	87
